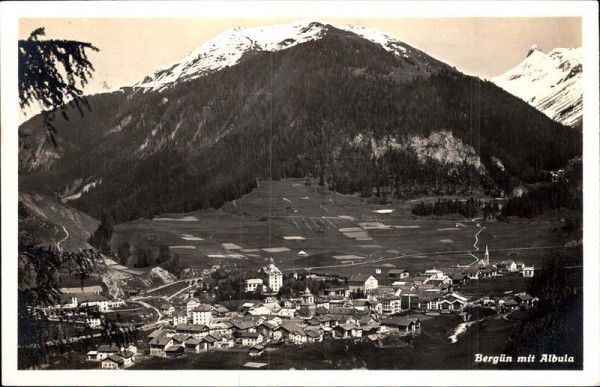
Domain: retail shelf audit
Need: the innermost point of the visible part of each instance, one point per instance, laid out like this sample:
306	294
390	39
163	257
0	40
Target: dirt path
62	240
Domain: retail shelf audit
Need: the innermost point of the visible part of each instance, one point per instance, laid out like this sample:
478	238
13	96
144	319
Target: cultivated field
349	235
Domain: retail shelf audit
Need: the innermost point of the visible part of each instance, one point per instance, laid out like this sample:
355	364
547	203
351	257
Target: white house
527	271
202	315
252	284
364	282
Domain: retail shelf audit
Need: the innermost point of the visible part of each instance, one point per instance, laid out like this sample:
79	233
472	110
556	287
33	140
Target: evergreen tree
53	72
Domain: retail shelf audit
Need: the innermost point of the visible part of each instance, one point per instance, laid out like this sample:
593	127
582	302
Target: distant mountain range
361	111
552	83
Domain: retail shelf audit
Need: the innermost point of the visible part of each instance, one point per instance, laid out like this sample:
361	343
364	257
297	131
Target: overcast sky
130	49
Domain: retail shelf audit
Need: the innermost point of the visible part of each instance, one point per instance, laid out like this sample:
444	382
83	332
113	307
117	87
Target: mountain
552	83
235	45
46	221
363	112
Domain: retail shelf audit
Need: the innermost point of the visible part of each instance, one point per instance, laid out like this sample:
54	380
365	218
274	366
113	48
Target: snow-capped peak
551	83
226	49
533	49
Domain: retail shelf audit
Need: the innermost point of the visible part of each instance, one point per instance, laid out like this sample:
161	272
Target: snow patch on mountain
552	83
83	190
227	49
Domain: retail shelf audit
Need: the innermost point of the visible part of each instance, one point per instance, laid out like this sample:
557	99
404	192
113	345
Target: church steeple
487	256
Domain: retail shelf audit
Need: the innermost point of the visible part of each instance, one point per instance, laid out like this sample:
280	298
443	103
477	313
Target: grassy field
298	218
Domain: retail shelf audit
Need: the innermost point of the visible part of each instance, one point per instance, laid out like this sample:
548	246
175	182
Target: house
174	351
363	282
453	303
92	299
473	272
314	335
460	278
179	318
509	305
202	314
92	356
192	345
398	274
255	350
159	345
287	312
401	324
112	362
434	274
191	305
346	331
251	338
390	304
195	330
527	271
167	309
222	340
105	350
338	291
525	299
420	280
489	271
252	284
128	358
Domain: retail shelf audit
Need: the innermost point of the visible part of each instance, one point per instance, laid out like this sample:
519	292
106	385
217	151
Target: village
371	307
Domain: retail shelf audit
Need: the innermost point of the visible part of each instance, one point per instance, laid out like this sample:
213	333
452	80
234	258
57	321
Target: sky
130	49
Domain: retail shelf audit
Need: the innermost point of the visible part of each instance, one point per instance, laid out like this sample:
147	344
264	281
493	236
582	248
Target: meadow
280	219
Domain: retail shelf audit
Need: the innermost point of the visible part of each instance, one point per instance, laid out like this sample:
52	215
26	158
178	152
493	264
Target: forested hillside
341	108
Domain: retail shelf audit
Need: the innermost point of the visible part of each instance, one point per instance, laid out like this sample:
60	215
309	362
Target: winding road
62	240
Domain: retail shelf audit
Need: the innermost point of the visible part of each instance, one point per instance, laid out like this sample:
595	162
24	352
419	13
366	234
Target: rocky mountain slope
552	83
363	112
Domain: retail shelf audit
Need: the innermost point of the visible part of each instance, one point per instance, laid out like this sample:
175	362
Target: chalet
346	331
473	272
453	302
363	305
167	309
105	350
222	340
255	350
287	312
527	271
298	336
192	345
489	271
509	305
174	351
397	274
401	324
113	362
251	338
420	280
180	338
434	274
460	278
364	282
195	330
220	310
159	345
525	299
338	291
128	358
